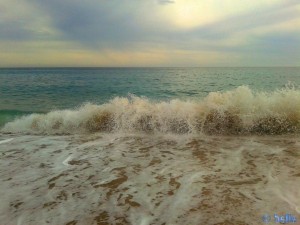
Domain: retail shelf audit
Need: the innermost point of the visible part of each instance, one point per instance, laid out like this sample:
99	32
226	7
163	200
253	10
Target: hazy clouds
149	33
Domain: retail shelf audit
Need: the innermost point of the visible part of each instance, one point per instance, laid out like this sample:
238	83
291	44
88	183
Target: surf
238	111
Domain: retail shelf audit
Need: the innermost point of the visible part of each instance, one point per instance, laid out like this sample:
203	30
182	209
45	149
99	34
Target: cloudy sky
149	33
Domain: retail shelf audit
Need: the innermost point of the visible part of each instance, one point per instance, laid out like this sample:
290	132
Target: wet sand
148	179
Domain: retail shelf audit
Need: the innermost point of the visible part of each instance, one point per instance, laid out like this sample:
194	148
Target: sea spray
239	111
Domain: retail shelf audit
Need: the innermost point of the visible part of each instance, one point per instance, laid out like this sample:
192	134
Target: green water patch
10	115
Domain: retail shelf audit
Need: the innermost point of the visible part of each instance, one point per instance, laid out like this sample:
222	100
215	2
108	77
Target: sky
149	33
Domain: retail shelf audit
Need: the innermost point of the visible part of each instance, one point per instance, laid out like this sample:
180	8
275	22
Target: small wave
9	115
239	111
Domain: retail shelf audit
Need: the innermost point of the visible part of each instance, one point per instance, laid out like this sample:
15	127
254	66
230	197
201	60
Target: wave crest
239	111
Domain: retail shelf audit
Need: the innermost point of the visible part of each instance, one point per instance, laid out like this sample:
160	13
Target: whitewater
240	111
229	157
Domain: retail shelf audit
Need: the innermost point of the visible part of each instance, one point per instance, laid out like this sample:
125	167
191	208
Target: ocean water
149	145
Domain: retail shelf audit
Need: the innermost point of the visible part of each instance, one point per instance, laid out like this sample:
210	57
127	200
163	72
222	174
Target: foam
5	141
238	111
147	179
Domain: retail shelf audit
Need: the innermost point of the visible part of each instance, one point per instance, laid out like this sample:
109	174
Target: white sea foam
147	179
237	111
5	141
65	162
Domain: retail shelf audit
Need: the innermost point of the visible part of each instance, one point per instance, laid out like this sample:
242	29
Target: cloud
99	27
119	25
22	21
99	23
165	2
239	23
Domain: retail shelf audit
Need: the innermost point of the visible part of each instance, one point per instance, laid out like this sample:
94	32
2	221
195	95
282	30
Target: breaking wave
239	111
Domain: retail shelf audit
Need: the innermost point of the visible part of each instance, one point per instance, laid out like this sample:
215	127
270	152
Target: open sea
149	146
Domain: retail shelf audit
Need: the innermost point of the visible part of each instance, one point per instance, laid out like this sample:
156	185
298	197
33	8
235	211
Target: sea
149	146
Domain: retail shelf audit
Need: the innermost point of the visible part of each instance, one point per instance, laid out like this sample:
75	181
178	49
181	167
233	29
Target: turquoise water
203	146
27	90
47	89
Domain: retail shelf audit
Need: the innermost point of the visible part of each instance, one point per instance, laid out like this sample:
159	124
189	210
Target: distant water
149	146
28	90
44	89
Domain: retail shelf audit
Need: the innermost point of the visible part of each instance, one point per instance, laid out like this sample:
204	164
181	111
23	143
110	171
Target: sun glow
191	13
188	14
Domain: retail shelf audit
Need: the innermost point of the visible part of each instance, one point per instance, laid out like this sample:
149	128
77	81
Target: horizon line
124	67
